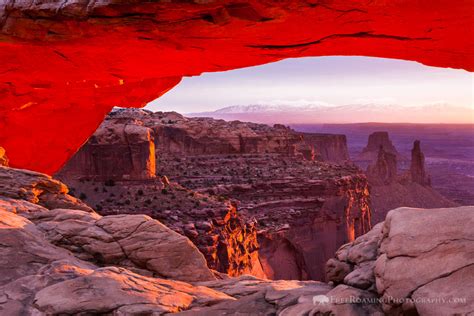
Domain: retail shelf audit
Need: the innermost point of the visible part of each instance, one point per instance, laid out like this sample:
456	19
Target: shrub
109	183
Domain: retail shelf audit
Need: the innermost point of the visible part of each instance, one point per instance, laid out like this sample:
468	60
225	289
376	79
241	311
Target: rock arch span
65	64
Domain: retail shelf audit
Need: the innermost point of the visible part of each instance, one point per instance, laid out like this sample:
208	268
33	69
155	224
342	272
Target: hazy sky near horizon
334	80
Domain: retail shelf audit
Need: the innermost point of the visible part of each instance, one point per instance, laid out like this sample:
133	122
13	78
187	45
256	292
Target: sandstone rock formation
328	147
125	145
212	223
69	261
73	77
416	261
134	241
417	166
47	266
303	209
376	141
392	188
37	188
384	171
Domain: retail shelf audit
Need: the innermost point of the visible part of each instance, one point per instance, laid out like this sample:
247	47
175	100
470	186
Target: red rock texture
289	211
65	64
328	147
115	152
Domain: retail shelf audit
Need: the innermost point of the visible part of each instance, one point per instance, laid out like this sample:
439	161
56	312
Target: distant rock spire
384	170
417	167
375	141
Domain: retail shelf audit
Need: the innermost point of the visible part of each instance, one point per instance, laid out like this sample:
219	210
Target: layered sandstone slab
418	260
38	277
133	241
65	64
69	261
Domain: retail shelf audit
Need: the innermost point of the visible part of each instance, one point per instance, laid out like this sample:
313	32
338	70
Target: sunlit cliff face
65	64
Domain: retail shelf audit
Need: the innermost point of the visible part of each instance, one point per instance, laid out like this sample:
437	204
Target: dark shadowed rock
417	166
377	140
384	170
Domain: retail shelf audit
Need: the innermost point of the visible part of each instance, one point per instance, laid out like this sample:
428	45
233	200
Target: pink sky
329	80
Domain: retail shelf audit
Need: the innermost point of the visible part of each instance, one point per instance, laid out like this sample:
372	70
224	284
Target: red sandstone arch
65	64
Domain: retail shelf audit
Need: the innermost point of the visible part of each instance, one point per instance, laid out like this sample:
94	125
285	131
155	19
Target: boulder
126	293
420	247
134	241
417	261
342	300
37	188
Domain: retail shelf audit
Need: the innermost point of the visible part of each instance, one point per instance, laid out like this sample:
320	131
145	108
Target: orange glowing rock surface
65	64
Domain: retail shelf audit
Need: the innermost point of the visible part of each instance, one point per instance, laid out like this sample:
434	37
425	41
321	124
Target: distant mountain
264	108
350	113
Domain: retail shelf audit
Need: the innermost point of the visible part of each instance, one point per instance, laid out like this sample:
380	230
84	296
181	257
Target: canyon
58	256
255	199
250	196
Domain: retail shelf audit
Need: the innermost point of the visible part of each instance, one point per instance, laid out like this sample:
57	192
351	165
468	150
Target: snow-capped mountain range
439	112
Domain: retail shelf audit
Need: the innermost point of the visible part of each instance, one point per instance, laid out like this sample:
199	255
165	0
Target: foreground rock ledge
418	260
56	261
65	64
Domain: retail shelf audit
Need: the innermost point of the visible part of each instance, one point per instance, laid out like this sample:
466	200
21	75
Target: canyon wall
269	199
124	147
123	151
328	147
